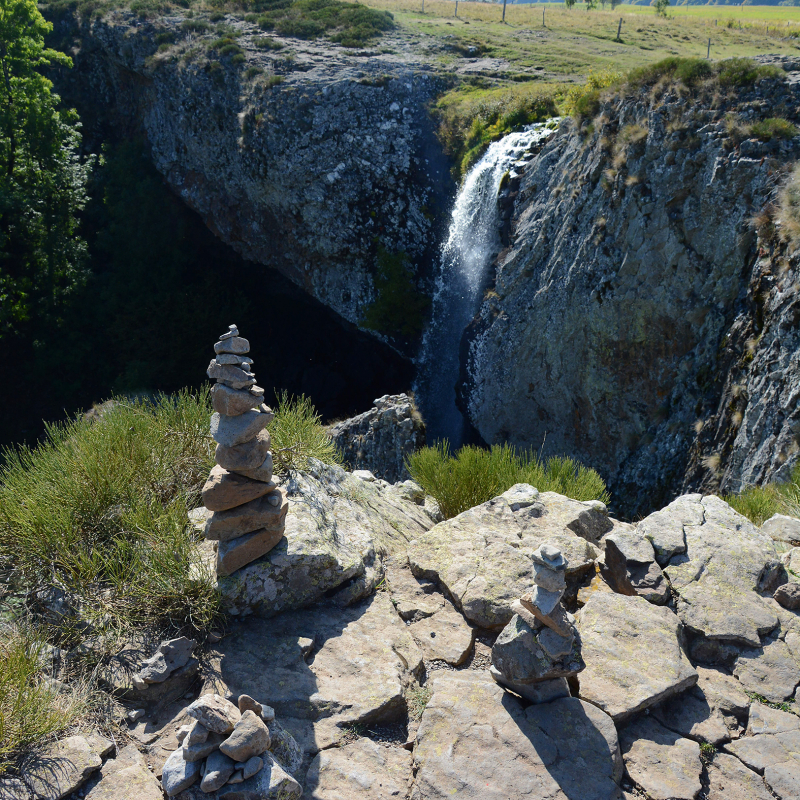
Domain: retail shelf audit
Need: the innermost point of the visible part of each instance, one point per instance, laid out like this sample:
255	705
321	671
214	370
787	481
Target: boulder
483	556
224	490
267	512
232	344
247	456
788	595
232	430
665	528
718	577
362	770
197	751
218	768
338	530
476	742
770	671
661	762
170	656
633	654
179	774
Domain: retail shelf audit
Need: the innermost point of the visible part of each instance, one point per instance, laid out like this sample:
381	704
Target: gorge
316	173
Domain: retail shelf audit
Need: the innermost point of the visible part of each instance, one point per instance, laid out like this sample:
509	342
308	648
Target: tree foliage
42	177
661	7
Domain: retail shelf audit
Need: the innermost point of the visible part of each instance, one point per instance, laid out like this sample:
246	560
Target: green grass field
573	43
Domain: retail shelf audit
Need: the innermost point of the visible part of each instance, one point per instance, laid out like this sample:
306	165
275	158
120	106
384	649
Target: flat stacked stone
248	510
540	647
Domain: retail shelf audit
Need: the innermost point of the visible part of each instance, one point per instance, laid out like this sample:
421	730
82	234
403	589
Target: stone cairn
540	647
248	510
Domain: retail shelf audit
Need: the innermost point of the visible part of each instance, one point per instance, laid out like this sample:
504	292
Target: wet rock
483	556
215	713
381	439
475	740
633	654
225	490
770	671
362	769
330	541
250	737
664	764
444	636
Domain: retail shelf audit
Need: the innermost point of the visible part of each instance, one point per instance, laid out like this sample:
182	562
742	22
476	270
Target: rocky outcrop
380	440
306	166
636	320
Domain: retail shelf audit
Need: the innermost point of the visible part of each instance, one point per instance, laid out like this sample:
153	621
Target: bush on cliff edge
474	475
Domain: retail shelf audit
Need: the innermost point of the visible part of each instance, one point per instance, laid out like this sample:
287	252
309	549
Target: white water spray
472	243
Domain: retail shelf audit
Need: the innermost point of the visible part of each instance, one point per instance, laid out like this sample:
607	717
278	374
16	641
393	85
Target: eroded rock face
483	556
338	530
304	176
476	742
617	318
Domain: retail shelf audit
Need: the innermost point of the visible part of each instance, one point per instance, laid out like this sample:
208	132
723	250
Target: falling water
472	243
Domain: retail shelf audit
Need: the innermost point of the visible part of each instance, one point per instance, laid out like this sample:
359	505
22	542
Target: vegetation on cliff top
759	503
474	475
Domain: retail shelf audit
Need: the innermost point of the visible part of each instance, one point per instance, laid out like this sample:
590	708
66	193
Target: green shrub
474	475
100	509
759	503
742	72
584	100
399	308
30	710
773	128
688	71
264	43
298	434
788	214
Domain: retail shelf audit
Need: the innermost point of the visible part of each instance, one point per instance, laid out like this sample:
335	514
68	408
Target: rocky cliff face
637	321
309	175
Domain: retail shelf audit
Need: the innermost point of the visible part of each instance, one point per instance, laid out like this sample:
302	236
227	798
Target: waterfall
472	243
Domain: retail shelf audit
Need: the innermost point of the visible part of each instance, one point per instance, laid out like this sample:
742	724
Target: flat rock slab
770	671
126	777
337	529
693	717
661	762
729	779
363	770
476	742
363	655
666	528
633	654
444	636
414	599
483	556
63	767
224	490
718	575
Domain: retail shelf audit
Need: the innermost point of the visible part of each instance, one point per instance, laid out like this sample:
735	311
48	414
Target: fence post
504	10
619	29
708	52
456	14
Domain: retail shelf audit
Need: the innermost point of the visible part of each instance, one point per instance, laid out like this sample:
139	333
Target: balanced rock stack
540	647
248	509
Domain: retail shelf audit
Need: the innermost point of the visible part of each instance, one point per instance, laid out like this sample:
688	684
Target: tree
42	177
661	7
591	5
569	4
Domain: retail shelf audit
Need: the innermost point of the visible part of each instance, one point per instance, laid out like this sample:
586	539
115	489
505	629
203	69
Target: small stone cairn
248	510
226	744
540	647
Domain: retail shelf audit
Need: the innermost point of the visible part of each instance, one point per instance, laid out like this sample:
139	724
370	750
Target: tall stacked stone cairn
248	510
540	647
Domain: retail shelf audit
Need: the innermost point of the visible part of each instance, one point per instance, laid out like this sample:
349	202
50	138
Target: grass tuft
298	435
417	698
759	503
474	475
31	710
